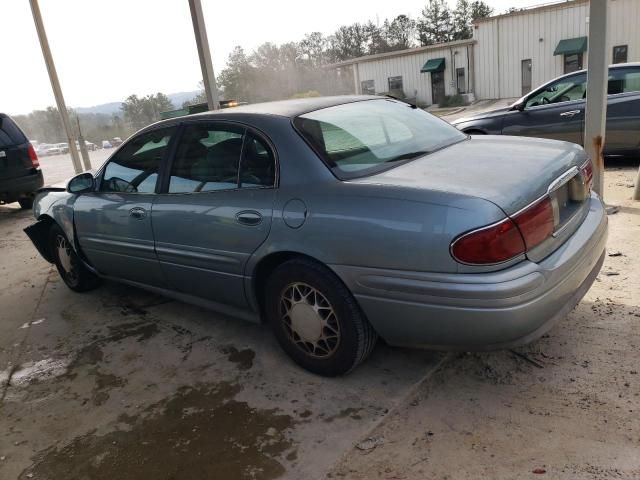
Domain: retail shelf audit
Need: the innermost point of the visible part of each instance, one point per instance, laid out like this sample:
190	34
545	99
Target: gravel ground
564	407
118	383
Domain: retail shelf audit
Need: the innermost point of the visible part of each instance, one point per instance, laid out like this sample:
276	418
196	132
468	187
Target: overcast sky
106	50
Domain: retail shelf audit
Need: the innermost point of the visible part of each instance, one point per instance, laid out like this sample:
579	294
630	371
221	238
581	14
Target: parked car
556	110
43	149
338	220
54	149
116	141
106	144
20	174
90	146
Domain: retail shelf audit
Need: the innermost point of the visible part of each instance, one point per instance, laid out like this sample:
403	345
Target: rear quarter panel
377	226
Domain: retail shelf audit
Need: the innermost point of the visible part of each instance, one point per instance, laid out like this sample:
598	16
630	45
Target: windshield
362	138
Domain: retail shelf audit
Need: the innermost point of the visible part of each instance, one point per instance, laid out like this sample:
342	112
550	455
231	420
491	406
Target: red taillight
505	240
33	156
536	223
587	174
493	244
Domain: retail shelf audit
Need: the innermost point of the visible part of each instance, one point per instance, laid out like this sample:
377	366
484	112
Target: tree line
273	72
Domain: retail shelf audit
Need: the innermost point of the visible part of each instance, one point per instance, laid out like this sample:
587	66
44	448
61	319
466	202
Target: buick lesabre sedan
556	110
338	220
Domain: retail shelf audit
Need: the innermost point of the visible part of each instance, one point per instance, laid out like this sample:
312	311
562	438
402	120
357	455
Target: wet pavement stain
352	413
242	358
200	433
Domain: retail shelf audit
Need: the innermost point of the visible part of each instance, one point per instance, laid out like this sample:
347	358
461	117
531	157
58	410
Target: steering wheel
545	100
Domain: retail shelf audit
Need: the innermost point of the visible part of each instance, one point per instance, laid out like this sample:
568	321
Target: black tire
26	203
338	311
72	271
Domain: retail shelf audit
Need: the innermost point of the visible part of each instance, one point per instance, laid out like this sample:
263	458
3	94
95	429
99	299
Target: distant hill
114	107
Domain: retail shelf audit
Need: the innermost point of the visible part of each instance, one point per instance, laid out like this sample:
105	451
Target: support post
83	147
202	42
596	105
55	84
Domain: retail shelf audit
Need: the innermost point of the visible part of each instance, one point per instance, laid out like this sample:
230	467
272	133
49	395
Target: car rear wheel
74	274
316	319
26	203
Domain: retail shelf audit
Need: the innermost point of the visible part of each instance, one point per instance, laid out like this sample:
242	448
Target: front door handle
249	217
138	213
570	113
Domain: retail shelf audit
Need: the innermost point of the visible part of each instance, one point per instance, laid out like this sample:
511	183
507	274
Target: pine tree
434	26
462	21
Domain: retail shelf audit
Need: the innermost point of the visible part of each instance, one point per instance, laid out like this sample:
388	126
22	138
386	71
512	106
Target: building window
368	87
395	83
572	62
461	83
620	54
526	76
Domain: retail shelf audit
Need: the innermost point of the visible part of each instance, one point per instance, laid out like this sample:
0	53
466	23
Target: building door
460	80
437	87
572	62
526	76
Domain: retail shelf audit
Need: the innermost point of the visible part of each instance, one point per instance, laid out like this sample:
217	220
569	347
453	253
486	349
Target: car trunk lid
511	172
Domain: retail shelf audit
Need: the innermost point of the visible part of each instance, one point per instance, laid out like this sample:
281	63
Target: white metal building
508	56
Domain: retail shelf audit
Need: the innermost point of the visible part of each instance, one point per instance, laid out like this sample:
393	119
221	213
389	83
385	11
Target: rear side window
623	80
134	169
207	159
10	134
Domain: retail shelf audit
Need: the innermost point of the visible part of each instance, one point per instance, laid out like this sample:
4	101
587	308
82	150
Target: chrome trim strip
563	179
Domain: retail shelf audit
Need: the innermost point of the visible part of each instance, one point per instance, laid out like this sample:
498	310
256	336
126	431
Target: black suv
20	174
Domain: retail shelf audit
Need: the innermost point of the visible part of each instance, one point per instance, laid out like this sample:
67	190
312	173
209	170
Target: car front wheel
74	274
316	320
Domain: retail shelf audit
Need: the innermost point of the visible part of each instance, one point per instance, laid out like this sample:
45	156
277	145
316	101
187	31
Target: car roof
290	108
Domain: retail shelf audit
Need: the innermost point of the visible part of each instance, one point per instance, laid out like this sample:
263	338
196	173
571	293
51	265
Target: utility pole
83	147
55	84
200	30
596	105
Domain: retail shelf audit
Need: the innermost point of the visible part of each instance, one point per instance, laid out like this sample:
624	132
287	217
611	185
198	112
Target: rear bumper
12	189
484	311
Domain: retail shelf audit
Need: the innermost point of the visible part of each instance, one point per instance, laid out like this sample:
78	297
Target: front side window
207	159
620	54
368	87
564	90
134	168
362	138
572	62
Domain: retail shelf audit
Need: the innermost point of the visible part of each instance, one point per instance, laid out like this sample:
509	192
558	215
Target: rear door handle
138	213
570	113
249	217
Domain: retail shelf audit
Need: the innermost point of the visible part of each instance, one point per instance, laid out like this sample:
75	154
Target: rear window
363	138
10	134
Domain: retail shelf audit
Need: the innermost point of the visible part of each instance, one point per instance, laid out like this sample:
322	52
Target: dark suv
20	174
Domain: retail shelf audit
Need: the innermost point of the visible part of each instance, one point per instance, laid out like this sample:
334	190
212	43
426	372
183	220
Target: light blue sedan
338	220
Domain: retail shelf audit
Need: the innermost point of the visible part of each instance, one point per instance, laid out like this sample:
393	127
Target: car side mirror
85	182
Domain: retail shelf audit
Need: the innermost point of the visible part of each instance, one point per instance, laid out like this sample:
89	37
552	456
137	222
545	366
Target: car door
215	209
555	111
623	112
113	224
